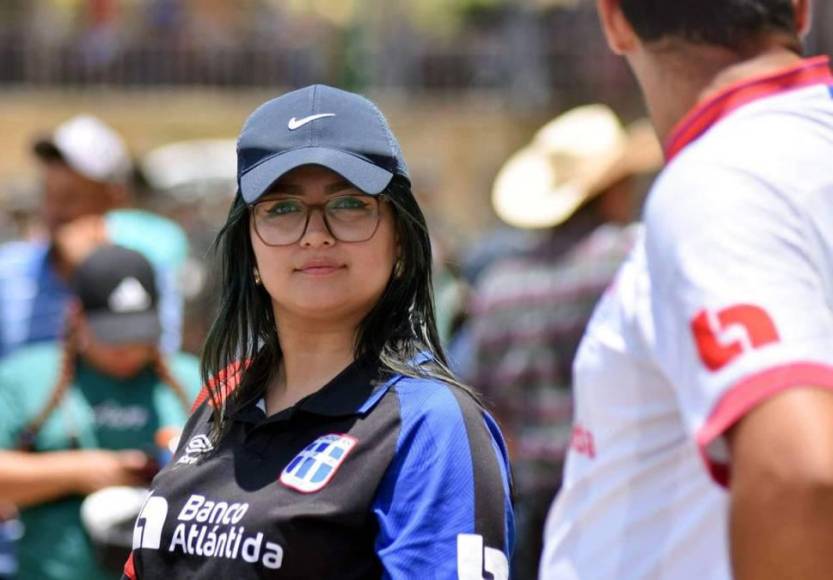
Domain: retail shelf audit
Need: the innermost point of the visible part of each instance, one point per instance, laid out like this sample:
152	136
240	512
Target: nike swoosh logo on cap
298	123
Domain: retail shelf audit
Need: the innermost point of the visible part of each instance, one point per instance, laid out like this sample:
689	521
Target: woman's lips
320	269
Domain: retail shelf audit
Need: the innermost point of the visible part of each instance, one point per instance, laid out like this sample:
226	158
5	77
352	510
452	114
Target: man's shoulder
719	175
767	160
783	142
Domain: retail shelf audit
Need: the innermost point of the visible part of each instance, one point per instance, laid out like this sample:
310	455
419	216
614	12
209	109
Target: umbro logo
129	296
298	123
197	445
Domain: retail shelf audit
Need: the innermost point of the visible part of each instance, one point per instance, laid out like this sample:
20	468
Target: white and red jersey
726	301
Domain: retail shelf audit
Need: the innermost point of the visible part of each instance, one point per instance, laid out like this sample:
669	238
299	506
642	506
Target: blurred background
465	84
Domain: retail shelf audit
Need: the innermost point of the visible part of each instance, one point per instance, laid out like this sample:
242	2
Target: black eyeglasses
348	218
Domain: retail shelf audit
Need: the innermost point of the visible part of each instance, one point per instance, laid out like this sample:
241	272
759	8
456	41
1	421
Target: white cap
91	148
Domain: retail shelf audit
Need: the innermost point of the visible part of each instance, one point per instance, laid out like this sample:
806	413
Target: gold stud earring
398	269
258	281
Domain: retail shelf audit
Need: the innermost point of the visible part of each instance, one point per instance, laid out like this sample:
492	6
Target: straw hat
570	160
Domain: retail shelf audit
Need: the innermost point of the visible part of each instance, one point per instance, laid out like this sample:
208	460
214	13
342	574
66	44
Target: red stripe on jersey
748	394
811	71
129	570
228	380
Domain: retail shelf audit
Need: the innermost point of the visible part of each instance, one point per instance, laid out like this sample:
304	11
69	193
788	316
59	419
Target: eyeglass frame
379	198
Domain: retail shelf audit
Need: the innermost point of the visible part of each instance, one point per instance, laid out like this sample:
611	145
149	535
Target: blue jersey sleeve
443	507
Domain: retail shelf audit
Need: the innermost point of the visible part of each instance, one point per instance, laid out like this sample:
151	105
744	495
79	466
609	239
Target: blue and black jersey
370	477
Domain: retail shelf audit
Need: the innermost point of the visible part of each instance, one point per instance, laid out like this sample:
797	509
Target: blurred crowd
530	51
92	381
106	285
511	305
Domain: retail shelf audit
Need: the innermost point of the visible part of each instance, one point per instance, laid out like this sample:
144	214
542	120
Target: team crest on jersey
317	463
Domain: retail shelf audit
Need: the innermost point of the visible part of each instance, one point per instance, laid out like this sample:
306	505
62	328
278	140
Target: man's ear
803	10
619	33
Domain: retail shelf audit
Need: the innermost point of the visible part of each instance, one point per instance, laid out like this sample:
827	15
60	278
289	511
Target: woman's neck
312	354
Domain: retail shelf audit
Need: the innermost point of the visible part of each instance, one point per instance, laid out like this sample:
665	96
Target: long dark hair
242	351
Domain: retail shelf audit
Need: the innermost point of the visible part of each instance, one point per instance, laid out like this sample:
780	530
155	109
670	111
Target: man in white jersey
703	438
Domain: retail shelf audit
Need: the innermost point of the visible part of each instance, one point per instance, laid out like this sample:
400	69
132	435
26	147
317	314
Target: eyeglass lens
284	221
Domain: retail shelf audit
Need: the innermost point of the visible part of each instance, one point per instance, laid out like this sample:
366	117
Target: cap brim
366	176
126	328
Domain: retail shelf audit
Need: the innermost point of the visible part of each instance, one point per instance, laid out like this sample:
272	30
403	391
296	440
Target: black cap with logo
118	294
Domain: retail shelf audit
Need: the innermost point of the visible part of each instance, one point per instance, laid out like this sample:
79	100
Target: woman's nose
317	232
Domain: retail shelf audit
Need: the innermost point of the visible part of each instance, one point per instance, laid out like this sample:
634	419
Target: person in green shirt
83	415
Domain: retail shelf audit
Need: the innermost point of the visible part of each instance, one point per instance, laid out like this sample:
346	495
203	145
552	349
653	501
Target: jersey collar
811	71
352	392
347	393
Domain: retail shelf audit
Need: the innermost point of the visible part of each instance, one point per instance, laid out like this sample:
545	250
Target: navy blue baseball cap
317	125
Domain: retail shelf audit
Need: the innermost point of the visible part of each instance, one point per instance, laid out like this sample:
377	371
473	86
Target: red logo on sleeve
723	336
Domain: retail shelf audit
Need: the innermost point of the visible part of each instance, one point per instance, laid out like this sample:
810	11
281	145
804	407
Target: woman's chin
323	306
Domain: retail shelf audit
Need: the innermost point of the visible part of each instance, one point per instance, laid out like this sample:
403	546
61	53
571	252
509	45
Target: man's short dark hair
727	23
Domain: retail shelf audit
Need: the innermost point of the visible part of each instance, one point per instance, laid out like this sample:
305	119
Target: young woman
330	441
84	414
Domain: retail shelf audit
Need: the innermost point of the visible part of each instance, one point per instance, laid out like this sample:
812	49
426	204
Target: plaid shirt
529	315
